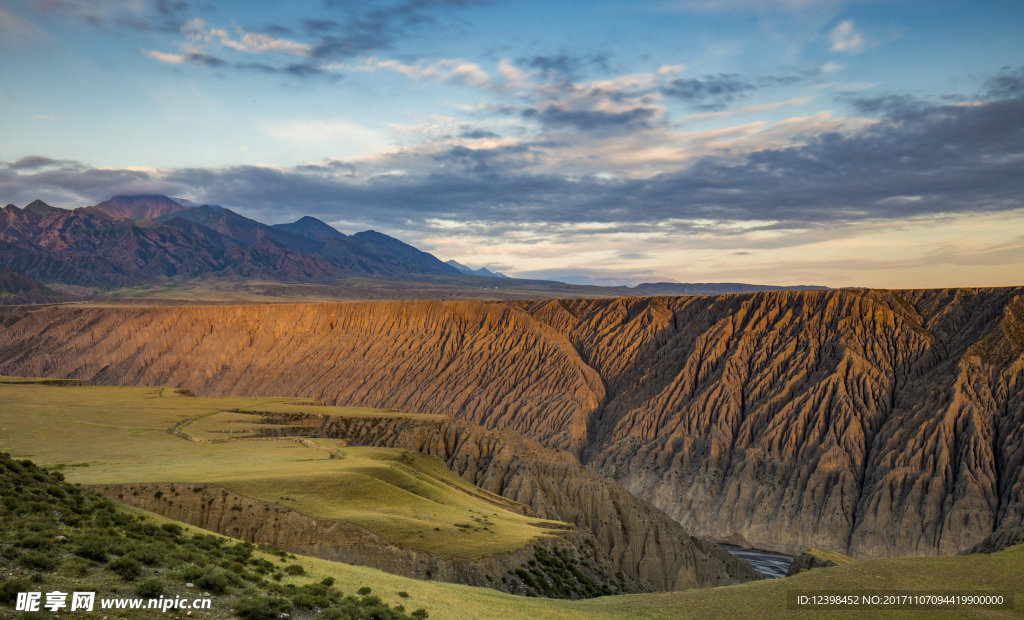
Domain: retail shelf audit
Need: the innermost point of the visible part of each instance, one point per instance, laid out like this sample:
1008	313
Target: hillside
170	555
137	240
871	423
56	536
17	288
249	468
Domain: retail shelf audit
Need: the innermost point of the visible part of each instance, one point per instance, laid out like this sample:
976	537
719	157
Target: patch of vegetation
410	499
553	575
109	545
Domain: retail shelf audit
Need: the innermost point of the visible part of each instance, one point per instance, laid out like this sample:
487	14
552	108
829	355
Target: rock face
872	423
807	561
650	549
220	510
17	288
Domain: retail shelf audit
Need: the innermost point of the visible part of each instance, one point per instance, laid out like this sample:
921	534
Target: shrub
38	561
128	568
294	569
363	591
261	607
92	549
150	588
420	614
35	541
403	594
327	581
215	581
9	589
172	528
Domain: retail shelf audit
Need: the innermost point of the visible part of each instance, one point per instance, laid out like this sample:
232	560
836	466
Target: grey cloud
32	162
477	134
563	66
920	160
149	16
712	92
375	29
590	120
1009	83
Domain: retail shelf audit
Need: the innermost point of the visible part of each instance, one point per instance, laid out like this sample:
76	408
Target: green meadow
106	435
102	435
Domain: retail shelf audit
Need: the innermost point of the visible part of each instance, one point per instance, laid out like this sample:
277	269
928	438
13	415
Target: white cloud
847	39
249	42
171	59
446	70
340	135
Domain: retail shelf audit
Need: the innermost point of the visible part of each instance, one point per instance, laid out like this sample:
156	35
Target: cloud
713	92
33	162
1009	83
445	70
196	29
761	6
915	160
847	39
169	58
144	15
590	120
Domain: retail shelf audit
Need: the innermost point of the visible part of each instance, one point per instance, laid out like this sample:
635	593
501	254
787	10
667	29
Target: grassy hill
55	536
95	435
104	435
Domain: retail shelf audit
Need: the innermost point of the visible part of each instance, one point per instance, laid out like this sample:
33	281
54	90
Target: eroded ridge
873	423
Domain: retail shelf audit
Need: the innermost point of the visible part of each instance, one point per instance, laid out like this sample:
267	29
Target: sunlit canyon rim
875	423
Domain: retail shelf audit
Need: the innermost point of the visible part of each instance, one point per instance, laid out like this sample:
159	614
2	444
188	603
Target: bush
261	607
294	569
127	567
92	549
150	588
403	594
9	589
35	560
327	581
420	614
172	528
215	581
35	541
363	591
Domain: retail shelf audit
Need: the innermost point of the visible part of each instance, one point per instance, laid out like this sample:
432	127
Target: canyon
868	422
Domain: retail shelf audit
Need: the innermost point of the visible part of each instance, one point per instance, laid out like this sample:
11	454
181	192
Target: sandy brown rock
652	550
217	509
873	423
805	562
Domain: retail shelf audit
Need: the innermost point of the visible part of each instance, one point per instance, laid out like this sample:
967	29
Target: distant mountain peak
312	228
140	206
483	271
40	208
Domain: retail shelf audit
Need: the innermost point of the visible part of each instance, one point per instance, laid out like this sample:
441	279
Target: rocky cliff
217	509
873	423
650	549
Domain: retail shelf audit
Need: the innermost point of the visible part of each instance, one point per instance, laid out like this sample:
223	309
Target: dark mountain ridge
132	240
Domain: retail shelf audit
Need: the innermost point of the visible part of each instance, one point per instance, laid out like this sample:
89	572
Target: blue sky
846	143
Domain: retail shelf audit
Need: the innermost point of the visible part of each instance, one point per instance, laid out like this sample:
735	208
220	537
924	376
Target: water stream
768	563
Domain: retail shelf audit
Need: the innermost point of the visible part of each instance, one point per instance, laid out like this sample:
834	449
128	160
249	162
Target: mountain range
129	240
128	243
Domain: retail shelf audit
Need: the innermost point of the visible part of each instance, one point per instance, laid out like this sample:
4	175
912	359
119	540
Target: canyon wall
873	423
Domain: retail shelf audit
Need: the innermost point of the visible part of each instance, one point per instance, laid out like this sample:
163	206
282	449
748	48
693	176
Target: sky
829	142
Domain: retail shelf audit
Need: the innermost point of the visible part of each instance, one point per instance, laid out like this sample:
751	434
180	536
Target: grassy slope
103	435
104	419
116	551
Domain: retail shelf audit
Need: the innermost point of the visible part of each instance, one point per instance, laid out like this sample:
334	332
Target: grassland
104	435
98	435
762	599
